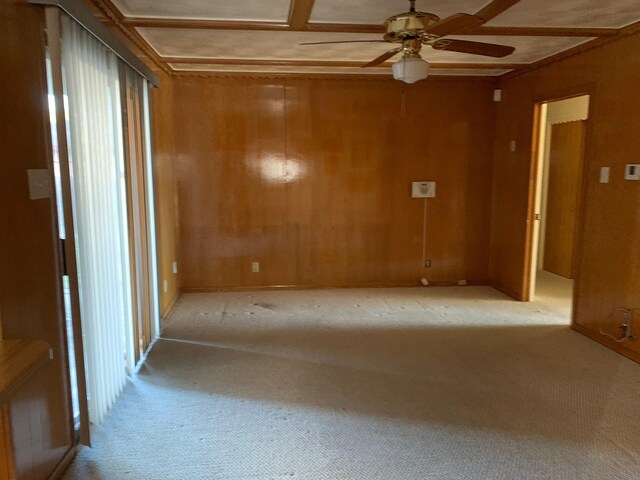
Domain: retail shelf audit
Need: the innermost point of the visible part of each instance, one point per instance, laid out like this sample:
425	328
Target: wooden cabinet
22	432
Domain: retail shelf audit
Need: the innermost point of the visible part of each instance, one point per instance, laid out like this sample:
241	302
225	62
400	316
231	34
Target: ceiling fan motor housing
408	25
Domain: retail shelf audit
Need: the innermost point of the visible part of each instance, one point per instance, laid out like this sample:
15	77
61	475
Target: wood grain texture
311	178
608	265
30	299
565	174
495	8
19	359
162	126
300	13
7	469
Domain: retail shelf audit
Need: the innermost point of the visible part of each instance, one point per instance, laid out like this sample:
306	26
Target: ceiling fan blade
454	24
475	48
382	58
344	41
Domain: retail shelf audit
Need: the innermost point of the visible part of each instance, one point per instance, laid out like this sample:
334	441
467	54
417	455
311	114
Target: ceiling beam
355	28
545	32
202	24
495	8
300	13
343	28
326	63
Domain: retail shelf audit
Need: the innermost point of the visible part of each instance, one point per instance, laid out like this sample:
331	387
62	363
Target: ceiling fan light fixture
411	69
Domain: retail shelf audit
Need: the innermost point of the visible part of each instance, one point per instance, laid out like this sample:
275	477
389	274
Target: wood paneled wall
311	178
162	120
28	295
608	268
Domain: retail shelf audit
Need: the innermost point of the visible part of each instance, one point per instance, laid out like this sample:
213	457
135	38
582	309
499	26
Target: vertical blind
95	138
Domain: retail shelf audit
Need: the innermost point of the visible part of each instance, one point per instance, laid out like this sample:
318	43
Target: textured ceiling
374	12
574	13
196	43
188	41
255	10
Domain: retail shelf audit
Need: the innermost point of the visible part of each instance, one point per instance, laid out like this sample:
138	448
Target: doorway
562	127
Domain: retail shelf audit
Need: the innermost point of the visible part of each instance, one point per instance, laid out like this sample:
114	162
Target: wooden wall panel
565	175
28	295
311	178
165	190
7	471
608	268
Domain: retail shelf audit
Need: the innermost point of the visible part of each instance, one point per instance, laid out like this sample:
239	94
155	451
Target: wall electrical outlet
255	267
423	189
604	174
427	264
175	267
632	171
165	286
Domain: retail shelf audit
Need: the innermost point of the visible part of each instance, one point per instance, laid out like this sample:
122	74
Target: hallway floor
409	384
555	293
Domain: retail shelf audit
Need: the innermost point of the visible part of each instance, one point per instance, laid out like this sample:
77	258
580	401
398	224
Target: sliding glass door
102	142
141	238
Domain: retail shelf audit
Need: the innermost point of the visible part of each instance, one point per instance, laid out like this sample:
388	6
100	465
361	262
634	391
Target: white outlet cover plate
632	171
423	189
604	175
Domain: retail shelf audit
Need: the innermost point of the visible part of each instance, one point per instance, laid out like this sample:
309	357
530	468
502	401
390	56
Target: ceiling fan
414	29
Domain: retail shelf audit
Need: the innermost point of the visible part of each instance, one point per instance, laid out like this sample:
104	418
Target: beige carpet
434	383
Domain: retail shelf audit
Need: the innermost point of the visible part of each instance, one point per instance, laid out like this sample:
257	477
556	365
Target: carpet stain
414	384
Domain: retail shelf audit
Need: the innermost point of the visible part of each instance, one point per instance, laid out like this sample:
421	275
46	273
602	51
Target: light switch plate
423	189
632	171
604	175
38	183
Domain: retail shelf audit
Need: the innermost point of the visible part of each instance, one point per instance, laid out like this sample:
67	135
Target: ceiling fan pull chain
403	103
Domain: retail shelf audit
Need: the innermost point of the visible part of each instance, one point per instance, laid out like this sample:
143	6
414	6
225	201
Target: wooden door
565	182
